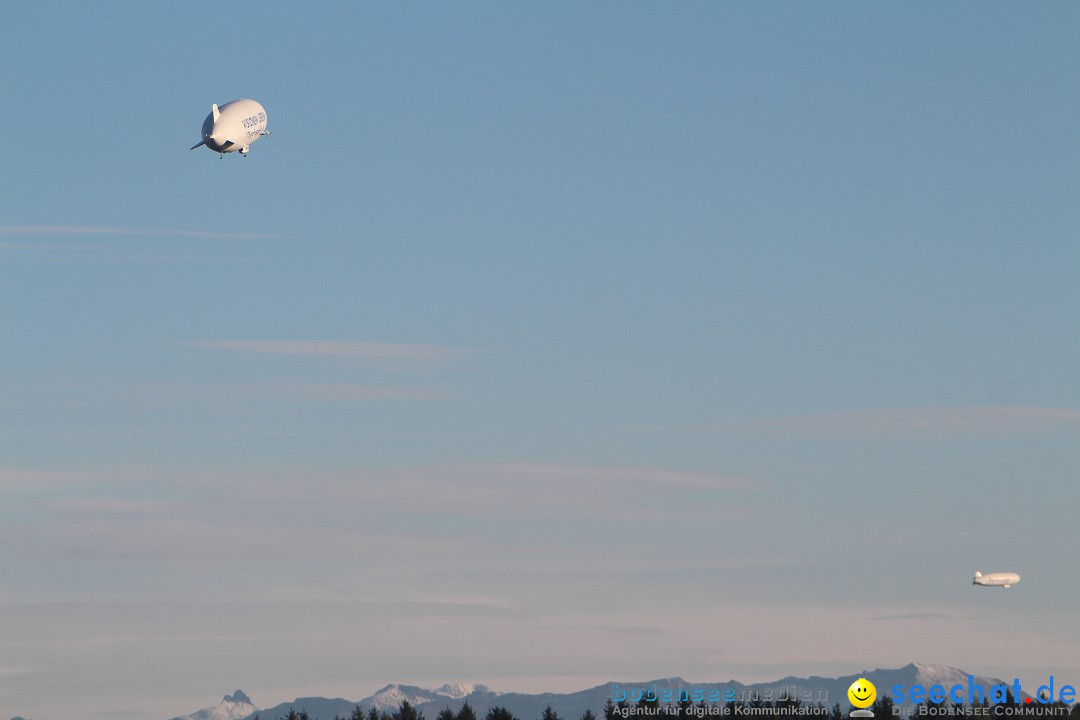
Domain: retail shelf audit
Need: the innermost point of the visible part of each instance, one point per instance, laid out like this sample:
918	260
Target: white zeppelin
233	127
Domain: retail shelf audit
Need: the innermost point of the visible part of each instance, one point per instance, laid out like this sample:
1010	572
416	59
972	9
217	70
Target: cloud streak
26	230
341	392
930	616
340	349
20	479
170	396
381	519
523	492
922	420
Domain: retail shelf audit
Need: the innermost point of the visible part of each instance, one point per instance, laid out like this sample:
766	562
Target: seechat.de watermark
965	700
974	693
974	700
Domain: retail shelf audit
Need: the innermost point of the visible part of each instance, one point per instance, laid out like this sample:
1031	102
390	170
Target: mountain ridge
569	706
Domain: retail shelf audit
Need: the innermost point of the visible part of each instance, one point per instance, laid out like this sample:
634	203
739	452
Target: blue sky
539	346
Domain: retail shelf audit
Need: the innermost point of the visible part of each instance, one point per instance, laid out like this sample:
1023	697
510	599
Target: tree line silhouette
883	709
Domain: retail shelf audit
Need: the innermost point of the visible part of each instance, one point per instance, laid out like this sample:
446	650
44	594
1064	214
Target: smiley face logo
862	693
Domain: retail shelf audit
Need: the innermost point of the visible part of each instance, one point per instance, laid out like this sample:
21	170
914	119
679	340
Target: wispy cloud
10	670
529	491
613	478
55	230
340	349
436	512
901	617
69	251
12	479
133	397
166	397
928	419
340	392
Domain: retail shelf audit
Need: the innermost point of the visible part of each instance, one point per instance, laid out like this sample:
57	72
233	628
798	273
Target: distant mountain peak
459	690
232	707
390	697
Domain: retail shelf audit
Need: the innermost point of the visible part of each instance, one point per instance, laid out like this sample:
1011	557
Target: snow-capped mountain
388	699
391	696
570	706
459	689
232	707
